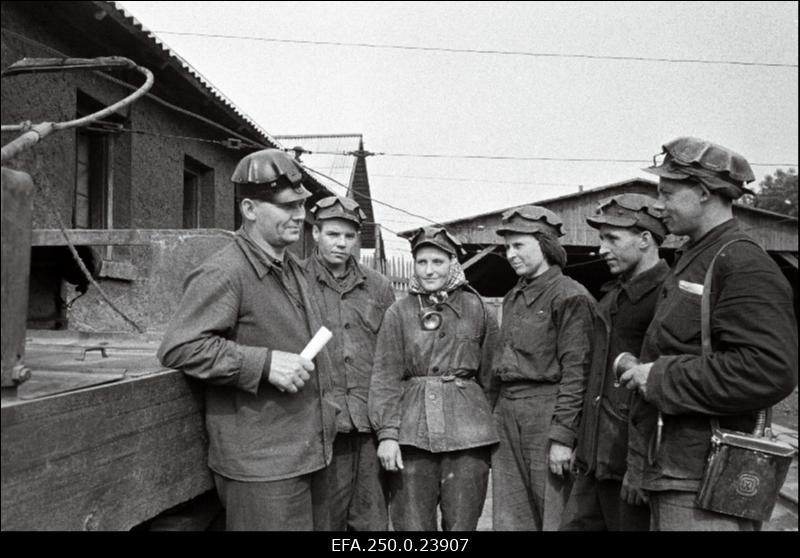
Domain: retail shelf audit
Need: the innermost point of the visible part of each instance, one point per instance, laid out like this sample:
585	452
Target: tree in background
777	193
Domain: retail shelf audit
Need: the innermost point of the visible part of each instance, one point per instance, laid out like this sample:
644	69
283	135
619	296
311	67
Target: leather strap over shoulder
764	418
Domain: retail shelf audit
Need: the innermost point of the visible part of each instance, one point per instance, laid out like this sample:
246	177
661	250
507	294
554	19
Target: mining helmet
629	210
530	219
718	168
270	175
338	207
439	237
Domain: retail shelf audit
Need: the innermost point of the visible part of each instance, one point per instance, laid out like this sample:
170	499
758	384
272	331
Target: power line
522	158
248	142
366	197
483	51
454	179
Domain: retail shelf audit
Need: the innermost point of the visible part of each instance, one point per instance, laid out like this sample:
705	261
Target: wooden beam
90	237
479	256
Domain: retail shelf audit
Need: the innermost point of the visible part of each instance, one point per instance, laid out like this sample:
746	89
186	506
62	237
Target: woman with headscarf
427	400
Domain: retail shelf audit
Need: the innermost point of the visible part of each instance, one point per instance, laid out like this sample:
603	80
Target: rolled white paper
317	342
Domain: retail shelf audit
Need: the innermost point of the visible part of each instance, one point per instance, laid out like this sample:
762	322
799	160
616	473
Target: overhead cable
482	51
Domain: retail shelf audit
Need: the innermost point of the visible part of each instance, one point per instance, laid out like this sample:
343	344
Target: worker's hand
389	455
560	458
636	378
289	371
633	496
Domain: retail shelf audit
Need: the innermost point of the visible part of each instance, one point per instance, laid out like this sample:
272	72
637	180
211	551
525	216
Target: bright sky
452	103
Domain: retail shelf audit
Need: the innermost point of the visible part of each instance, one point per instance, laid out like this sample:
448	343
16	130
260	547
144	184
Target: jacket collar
261	262
688	252
354	274
645	282
454	301
532	288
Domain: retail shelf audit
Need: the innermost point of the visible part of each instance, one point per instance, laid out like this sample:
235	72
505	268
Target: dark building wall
148	170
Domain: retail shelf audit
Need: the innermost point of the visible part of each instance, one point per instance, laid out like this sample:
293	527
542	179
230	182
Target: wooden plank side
103	458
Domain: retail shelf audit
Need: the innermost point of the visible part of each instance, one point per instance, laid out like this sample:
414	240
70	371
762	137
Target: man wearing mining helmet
630	232
752	363
353	300
245	315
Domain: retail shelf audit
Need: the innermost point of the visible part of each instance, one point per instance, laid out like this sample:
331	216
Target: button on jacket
753	365
428	386
546	337
626	310
237	307
352	308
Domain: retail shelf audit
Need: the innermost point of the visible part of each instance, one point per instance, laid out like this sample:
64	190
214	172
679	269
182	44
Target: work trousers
295	504
595	505
355	484
456	481
672	510
526	495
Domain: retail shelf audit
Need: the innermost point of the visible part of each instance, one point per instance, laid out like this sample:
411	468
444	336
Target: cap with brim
439	238
628	210
530	219
718	168
338	207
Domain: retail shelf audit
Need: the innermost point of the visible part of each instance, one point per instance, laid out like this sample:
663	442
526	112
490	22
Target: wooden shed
490	274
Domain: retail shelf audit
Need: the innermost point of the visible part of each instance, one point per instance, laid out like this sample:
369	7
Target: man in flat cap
750	362
427	400
353	299
630	231
541	364
245	315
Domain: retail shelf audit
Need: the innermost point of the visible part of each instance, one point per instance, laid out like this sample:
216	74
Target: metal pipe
37	132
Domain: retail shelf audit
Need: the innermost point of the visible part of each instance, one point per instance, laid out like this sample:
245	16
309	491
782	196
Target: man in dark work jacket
753	363
630	233
244	317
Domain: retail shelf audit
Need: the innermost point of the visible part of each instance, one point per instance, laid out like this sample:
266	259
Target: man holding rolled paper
353	300
630	232
721	348
245	316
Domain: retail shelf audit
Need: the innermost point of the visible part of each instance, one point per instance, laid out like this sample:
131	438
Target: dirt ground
785	412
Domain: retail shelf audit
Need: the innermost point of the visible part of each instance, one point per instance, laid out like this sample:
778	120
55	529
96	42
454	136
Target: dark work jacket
626	310
753	364
546	338
237	307
428	387
352	308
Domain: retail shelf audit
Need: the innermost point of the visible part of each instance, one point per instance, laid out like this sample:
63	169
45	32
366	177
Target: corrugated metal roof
136	26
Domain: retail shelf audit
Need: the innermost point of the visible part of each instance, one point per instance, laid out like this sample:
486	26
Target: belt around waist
526	387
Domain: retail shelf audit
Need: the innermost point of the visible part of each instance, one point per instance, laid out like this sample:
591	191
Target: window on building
94	168
93	181
191	200
198	190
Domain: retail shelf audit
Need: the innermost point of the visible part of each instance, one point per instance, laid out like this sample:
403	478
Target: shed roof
776	232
